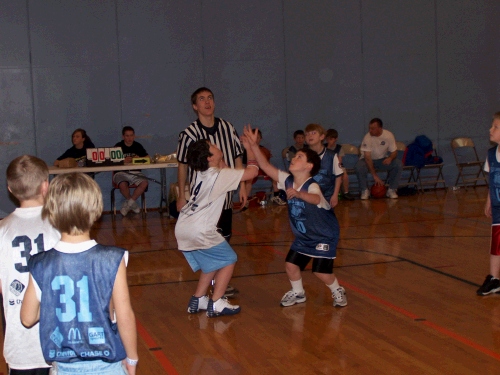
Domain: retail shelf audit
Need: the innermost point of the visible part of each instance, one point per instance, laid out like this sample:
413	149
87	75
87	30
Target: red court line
431	325
151	343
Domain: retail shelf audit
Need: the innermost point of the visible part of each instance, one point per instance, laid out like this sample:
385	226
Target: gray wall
423	66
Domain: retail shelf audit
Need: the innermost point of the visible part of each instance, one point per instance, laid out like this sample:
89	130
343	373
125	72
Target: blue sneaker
221	307
197	303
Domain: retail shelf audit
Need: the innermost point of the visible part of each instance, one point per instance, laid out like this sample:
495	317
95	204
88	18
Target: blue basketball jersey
74	313
316	230
494	178
325	177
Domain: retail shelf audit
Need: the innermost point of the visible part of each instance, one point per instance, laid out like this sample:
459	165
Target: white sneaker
276	199
197	303
134	206
365	194
291	298
391	193
125	208
339	297
221	307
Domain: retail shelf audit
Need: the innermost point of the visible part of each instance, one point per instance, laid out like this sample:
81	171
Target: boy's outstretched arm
249	140
125	316
30	309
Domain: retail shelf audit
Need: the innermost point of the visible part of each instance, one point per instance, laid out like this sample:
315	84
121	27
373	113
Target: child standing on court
79	289
313	222
196	229
23	233
329	176
331	138
492	209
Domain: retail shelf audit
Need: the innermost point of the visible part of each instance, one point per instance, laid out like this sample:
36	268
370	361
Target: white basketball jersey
23	233
196	227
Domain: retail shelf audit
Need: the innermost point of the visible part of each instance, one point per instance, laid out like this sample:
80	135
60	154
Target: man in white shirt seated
379	152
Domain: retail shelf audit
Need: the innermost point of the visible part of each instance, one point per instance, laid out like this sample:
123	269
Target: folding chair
470	168
431	174
408	177
349	160
115	187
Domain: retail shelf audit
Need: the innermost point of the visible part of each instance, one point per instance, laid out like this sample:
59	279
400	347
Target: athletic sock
334	286
297	286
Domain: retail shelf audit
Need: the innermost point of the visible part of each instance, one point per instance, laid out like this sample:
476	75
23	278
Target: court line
151	343
434	326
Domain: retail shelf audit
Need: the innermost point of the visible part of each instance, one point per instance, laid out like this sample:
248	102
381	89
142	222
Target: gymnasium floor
410	267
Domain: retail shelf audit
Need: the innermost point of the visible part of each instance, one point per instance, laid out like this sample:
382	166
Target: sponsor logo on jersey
12	302
16	287
94	353
56	337
323	247
96	336
74	336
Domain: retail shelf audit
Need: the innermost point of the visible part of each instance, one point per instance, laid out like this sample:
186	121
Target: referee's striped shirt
221	134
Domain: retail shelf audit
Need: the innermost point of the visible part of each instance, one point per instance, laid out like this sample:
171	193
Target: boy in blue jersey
492	209
330	174
79	288
313	222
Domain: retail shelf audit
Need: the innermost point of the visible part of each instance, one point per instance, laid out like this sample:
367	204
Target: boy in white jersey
23	233
196	229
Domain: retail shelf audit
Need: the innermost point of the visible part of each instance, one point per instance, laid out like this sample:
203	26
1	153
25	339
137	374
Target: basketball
378	191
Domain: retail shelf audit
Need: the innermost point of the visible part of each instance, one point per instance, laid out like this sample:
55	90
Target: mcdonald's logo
74	335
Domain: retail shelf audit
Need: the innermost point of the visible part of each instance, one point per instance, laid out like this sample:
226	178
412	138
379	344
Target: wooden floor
410	267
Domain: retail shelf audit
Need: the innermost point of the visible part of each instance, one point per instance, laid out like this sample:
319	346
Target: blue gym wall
423	66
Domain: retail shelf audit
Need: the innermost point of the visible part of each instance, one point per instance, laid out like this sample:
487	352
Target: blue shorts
212	259
89	367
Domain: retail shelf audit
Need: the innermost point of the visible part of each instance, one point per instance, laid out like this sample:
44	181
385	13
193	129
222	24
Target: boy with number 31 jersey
23	233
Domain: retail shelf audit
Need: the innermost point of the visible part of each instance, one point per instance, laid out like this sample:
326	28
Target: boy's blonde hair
314	127
73	203
25	175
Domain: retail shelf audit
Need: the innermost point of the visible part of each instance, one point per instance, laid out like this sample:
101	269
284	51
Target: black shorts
320	265
225	224
36	371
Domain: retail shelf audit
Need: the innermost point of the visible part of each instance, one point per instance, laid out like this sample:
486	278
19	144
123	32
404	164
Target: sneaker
276	199
230	291
134	206
197	303
348	196
291	298
125	208
339	297
365	194
489	286
221	307
391	193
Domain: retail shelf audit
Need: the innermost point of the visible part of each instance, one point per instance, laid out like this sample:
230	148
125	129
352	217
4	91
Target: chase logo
96	336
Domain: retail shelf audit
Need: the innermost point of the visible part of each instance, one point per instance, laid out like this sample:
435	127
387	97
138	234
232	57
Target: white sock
297	286
130	201
334	286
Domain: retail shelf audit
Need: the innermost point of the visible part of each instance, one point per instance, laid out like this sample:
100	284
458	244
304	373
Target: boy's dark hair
25	175
313	158
201	89
332	133
127	128
496	115
298	132
377	120
198	154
